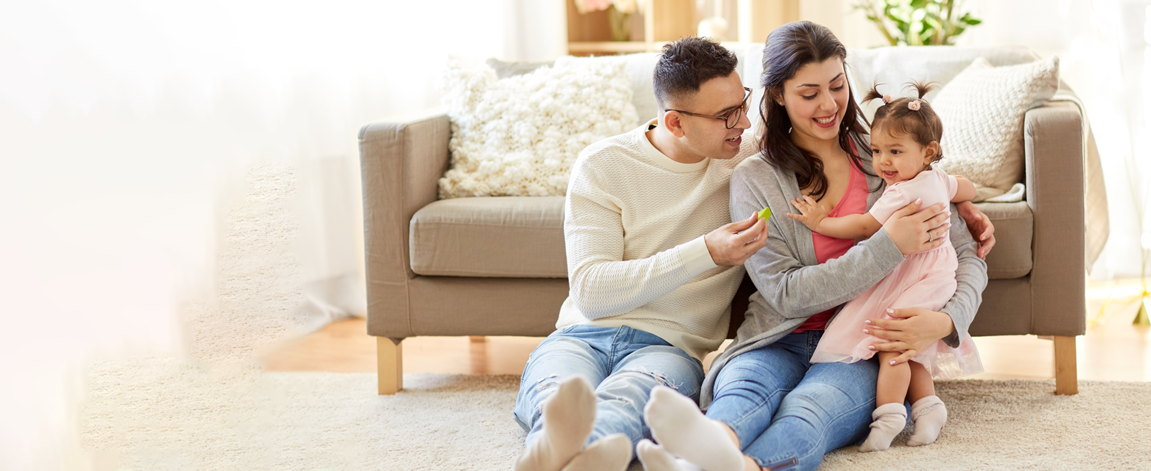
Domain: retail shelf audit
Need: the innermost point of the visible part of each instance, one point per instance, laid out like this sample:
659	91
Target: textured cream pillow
519	136
982	111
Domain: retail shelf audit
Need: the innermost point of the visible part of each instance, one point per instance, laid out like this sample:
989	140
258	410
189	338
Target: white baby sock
888	421
681	429
610	453
568	417
929	415
655	458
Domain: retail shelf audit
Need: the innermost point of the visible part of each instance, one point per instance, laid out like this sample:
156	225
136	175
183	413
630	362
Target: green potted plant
917	22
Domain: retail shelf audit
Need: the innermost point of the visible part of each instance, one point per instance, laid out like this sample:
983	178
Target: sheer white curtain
126	130
1102	47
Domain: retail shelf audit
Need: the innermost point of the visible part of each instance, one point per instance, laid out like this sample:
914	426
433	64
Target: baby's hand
811	212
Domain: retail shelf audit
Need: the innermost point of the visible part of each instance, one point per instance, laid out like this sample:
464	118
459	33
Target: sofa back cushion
522	237
895	66
891	65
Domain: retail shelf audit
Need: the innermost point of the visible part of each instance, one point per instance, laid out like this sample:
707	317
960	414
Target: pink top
854	201
932	186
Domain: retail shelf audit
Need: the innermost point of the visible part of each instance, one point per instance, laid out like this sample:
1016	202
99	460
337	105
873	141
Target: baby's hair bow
887	99
913	105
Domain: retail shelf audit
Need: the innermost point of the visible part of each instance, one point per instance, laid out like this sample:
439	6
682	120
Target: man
652	263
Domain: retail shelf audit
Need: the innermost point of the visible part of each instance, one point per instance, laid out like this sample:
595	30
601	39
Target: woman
767	406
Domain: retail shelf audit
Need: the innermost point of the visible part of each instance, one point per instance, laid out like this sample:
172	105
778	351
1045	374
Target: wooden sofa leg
1066	376
390	365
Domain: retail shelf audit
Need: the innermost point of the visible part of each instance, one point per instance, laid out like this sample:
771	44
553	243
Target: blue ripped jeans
788	412
621	364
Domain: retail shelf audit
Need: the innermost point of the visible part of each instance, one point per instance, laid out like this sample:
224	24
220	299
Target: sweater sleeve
970	277
793	289
603	284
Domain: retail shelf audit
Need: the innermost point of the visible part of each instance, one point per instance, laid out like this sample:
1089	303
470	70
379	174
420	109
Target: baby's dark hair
908	116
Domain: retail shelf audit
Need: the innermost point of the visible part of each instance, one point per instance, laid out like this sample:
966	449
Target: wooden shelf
628	47
664	21
659	22
577	48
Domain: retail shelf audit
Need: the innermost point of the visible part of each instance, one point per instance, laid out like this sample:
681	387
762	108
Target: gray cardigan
791	285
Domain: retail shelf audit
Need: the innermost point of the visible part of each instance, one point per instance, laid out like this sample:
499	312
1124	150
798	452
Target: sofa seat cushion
1014	224
522	237
502	236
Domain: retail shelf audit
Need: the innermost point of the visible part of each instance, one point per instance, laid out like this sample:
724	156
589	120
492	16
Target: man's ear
671	121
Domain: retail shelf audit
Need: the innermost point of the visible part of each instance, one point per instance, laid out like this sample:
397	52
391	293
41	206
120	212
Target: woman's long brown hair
789	48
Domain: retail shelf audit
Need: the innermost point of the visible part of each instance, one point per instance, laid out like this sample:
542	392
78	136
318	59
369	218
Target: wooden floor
1112	350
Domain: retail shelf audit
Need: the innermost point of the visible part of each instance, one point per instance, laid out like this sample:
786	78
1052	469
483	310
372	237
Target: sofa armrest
1054	160
401	161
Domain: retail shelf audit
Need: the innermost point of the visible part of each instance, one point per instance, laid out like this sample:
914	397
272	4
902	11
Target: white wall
849	24
126	128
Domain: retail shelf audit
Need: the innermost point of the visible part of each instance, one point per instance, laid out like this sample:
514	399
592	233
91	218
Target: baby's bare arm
815	217
855	226
965	192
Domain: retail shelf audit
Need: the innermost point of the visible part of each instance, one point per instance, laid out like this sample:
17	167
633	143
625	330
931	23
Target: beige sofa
496	266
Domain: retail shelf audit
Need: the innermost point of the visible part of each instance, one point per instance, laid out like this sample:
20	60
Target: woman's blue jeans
788	412
622	364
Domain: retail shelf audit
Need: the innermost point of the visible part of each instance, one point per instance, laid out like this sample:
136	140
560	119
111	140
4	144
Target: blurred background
127	128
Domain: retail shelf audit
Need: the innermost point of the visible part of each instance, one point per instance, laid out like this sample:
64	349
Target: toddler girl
905	137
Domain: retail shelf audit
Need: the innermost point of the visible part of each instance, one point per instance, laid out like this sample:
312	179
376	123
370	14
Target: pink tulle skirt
925	280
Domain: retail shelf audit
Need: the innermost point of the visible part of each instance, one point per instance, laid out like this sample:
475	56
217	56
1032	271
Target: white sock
610	453
888	421
568	417
655	458
681	429
929	415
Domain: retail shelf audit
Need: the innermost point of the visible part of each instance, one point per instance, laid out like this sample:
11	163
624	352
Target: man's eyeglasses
730	118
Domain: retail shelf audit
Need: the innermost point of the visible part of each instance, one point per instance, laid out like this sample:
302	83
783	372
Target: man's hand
733	243
979	225
811	212
912	330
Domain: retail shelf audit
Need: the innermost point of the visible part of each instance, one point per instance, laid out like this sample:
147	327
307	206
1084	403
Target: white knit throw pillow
519	136
982	111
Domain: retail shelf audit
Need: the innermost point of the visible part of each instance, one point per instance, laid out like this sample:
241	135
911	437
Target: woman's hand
912	331
914	231
979	225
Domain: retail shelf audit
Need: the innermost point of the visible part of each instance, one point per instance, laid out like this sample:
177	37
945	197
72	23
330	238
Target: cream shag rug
159	415
214	409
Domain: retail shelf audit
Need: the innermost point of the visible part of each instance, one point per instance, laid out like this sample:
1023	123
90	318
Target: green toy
765	213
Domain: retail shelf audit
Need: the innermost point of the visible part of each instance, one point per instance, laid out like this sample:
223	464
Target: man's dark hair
687	63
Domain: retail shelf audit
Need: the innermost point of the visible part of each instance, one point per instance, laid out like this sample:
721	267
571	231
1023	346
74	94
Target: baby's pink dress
925	279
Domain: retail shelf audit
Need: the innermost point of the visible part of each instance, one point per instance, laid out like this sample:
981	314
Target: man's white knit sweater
634	221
